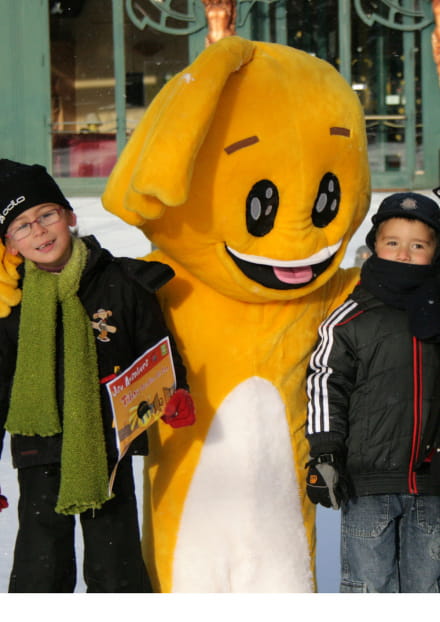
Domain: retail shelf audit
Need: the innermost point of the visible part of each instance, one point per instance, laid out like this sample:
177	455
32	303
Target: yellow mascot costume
249	173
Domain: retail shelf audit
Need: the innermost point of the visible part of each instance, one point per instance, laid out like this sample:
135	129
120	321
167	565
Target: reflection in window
313	27
83	114
84	119
378	67
378	75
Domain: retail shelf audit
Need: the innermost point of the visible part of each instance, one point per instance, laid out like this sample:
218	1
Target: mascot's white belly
242	529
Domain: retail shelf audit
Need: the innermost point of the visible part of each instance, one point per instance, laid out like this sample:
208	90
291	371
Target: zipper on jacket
417	413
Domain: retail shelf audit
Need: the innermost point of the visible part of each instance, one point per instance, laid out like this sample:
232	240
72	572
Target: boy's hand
325	485
179	410
3	501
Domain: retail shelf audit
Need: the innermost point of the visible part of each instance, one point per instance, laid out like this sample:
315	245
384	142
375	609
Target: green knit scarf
33	406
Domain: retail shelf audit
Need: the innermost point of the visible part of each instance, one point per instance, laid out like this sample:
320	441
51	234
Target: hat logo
10	206
408	204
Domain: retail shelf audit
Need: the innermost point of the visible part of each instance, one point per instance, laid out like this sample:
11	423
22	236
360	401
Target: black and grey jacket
121	290
374	397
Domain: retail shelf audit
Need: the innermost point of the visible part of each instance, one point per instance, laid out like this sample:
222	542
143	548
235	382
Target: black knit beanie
23	186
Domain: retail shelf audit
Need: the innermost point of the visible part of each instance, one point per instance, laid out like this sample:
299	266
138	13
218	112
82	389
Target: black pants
44	556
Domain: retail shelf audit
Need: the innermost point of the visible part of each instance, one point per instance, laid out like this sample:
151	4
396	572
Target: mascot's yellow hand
10	294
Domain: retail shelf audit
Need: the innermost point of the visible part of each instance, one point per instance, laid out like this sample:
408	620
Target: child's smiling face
406	241
47	245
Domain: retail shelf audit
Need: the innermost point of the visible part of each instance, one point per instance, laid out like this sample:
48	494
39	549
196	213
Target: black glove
325	482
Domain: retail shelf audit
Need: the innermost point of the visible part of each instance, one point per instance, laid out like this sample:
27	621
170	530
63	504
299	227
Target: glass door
382	48
386	72
83	124
105	70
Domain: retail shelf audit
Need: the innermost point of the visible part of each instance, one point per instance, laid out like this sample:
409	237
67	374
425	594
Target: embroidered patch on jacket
102	326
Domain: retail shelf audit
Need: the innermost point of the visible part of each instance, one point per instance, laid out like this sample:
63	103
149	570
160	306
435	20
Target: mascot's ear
156	166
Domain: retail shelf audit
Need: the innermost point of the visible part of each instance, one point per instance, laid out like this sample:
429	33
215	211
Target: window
83	89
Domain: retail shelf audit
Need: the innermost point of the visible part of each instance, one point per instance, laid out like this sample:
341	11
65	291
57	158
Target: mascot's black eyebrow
251	140
340	131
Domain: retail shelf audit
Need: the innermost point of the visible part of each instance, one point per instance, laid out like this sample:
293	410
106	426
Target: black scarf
410	287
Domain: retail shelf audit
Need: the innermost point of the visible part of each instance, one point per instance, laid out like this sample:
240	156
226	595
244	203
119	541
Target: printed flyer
139	394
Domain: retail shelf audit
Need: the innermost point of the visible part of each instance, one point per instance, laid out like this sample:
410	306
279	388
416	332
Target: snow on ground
124	240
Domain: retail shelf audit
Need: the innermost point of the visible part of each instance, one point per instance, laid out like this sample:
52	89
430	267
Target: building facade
77	75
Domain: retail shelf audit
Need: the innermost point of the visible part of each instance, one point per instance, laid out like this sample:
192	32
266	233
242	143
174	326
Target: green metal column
119	64
410	108
25	102
430	115
281	22
244	21
196	44
344	27
410	102
261	22
381	62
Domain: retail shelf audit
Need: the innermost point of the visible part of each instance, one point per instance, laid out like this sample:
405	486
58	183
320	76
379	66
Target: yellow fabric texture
187	193
10	295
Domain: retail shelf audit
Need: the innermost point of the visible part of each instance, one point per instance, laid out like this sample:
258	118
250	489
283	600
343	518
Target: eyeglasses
45	219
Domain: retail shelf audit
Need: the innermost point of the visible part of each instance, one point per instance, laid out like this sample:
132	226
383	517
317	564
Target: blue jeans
391	543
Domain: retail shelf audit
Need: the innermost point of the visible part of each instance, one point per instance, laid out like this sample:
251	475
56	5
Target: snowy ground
124	240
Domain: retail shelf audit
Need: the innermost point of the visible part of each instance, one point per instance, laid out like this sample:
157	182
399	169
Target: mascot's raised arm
249	174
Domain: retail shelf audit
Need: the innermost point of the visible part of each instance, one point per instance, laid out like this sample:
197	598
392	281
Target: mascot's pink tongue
294	275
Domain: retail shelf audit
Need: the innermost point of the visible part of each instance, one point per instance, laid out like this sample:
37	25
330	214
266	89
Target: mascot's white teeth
289	273
318	257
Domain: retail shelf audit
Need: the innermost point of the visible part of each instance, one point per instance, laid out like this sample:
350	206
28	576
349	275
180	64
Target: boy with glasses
53	399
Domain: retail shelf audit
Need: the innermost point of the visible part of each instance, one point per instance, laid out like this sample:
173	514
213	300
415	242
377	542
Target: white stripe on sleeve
317	382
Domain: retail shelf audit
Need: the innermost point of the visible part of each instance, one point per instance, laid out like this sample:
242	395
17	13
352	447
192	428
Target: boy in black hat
53	398
374	407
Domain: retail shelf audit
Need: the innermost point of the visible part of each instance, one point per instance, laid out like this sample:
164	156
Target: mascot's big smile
277	274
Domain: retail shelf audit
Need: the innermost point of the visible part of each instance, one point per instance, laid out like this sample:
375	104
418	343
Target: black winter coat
374	397
123	289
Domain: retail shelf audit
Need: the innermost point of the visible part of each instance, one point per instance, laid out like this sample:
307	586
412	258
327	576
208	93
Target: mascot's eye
327	201
261	208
